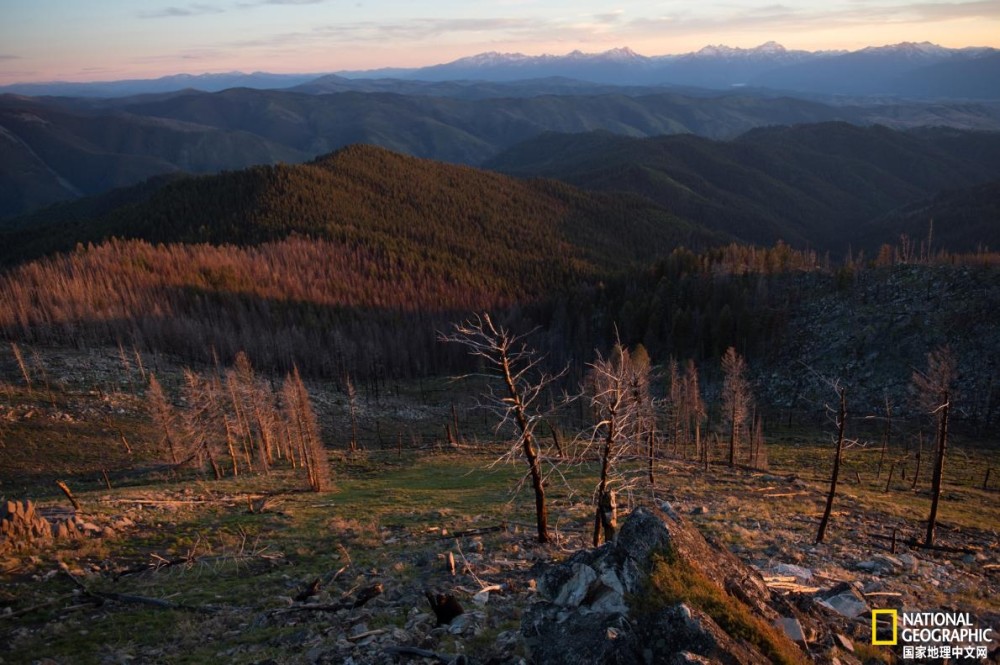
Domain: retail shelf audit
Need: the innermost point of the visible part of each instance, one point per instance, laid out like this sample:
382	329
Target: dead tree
508	358
887	435
841	423
736	398
352	396
303	427
695	407
163	415
619	389
933	388
21	364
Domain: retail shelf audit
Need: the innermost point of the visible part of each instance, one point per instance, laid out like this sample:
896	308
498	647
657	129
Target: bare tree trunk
602	487
887	435
938	467
732	438
556	439
530	454
841	421
351	398
454	421
649	446
21	364
229	445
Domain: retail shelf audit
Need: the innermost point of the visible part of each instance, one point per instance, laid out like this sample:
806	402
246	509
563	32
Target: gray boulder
590	612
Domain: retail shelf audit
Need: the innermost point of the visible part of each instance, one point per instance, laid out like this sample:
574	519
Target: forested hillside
811	185
50	154
356	258
963	219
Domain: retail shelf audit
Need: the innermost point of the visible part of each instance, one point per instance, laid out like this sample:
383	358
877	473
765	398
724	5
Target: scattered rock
586	613
798	572
845	600
792	628
844	642
910	563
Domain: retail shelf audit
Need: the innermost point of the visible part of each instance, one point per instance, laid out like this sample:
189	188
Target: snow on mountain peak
623	53
910	49
767	49
770	47
491	58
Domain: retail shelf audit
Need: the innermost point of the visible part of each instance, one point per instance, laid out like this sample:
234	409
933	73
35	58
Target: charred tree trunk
602	487
651	455
530	453
556	440
938	467
841	421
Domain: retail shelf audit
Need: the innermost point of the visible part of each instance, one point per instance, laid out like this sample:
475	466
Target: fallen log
420	653
941	548
102	596
475	532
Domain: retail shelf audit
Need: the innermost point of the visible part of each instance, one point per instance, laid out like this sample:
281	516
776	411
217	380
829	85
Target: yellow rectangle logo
894	617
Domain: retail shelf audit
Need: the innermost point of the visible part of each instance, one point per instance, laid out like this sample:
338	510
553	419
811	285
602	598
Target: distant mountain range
908	70
58	149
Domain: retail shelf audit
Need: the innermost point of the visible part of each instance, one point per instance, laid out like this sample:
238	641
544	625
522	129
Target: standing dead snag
933	389
736	398
163	415
304	430
841	422
352	396
510	359
619	390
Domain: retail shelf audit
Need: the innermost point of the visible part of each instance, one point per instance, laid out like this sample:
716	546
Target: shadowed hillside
809	184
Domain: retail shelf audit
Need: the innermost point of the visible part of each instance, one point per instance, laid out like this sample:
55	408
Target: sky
99	40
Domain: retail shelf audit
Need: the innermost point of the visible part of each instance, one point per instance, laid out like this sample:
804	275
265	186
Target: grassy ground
207	544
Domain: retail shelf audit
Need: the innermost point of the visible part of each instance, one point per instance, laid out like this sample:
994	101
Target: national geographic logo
931	634
893	617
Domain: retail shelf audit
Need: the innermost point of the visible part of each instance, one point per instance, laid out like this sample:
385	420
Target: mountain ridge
96	146
713	66
362	190
810	185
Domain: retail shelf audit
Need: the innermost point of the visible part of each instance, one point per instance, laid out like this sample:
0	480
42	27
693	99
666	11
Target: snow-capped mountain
913	50
908	69
870	71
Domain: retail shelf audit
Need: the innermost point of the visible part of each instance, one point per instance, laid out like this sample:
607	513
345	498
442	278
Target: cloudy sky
81	40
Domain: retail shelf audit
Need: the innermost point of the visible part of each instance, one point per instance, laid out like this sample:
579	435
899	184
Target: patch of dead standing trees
234	423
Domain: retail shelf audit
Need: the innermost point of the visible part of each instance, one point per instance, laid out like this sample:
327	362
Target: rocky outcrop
599	605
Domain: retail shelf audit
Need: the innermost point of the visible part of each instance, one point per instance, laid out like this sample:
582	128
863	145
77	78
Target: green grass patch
676	581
